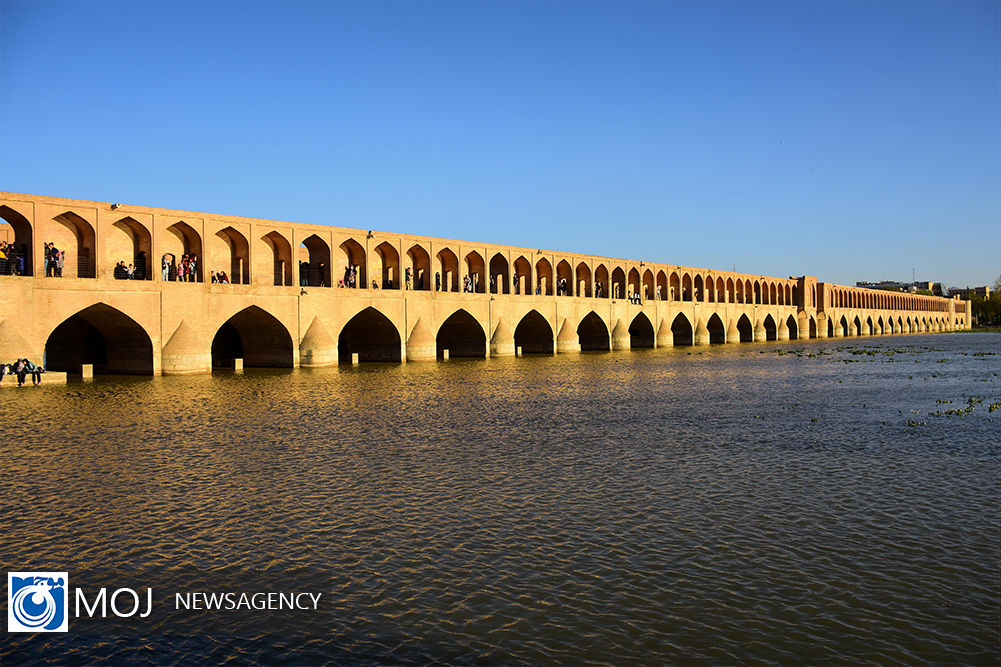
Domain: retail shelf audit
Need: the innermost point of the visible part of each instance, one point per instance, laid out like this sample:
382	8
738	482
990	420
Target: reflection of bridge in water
281	311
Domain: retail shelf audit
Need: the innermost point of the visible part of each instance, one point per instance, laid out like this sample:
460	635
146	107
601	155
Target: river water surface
811	501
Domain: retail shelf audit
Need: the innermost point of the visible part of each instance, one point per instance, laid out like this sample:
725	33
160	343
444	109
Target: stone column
317	348
502	342
665	337
567	339
421	345
732	332
620	337
701	333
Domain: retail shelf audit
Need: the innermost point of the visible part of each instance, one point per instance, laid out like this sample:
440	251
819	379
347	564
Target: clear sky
847	140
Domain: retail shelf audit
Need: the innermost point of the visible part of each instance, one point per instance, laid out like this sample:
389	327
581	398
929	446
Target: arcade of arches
312	295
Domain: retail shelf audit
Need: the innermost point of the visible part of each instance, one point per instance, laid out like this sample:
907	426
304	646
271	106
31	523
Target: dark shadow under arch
593	333
533	334
717	332
462	336
641	332
771	331
255	336
370	335
746	329
103	336
681	328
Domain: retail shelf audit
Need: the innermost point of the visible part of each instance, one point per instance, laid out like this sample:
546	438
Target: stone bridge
409	302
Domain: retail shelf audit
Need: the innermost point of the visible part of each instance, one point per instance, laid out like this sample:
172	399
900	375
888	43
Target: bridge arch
564	276
182	239
475	269
103	336
387	267
771	330
641	333
698	287
618	283
583	276
499	281
857	326
231	250
420	267
76	237
662	291
686	288
314	260
448	270
648	287
746	329
793	327
544	276
813	327
462	335
281	257
353	257
23	242
717	330
534	335
593	333
633	282
602	286
129	241
682	330
254	335
710	293
371	335
523	269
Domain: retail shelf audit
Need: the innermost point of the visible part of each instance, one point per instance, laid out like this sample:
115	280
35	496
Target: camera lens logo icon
37	601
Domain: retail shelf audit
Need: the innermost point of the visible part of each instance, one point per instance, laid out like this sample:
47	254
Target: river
812	501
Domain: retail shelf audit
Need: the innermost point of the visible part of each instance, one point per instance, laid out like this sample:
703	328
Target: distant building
894	286
967	293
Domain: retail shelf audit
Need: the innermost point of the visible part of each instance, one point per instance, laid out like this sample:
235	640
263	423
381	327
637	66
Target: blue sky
852	141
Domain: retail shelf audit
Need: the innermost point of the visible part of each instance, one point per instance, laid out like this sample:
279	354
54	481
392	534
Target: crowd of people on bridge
21	369
12	259
54	259
220	278
184	272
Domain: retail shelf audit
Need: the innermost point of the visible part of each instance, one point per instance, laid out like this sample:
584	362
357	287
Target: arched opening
462	336
813	328
648	286
710	290
681	328
523	277
746	329
179	243
352	272
698	288
717	330
633	282
475	269
867	327
686	288
602	286
795	297
857	326
720	291
130	242
675	294
757	292
618	283
641	333
314	262
844	327
74	236
544	276
793	327
771	330
880	326
420	268
387	267
748	292
103	336
730	298
564	279
371	336
255	336
446	279
533	334
662	291
16	237
499	276
592	333
583	274
281	258
232	252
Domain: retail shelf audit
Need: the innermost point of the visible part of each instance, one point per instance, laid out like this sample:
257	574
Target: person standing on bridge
437	281
408	273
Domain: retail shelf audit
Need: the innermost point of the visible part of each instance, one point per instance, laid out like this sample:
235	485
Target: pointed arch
231	252
281	257
813	327
75	236
717	330
544	276
793	325
857	326
352	263
686	288
564	277
618	283
476	270
710	289
746	329
662	289
372	336
676	294
254	335
23	239
534	335
314	262
500	281
648	287
633	282
448	271
129	241
593	333
522	276
602	284
641	333
462	335
681	327
386	267
103	336
420	267
698	287
583	275
771	329
730	297
182	239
